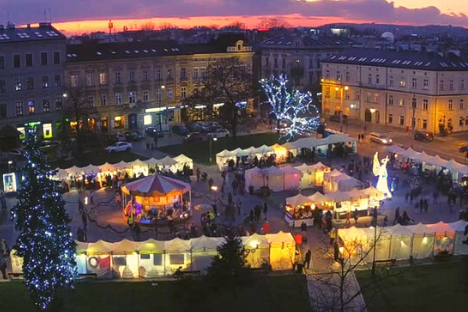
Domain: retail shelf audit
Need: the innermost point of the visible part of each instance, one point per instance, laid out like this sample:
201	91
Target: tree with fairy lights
45	243
292	109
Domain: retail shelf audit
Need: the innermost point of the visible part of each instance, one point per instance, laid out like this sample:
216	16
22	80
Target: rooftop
411	60
44	31
286	41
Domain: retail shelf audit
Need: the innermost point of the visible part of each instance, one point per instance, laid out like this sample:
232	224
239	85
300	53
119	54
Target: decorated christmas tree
45	243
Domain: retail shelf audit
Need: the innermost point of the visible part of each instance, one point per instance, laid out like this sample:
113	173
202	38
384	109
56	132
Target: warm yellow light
322	80
336	89
372	110
214	188
118	118
346	88
341	249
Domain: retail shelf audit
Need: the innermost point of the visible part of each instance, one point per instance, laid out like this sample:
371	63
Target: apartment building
398	89
299	57
138	84
31	77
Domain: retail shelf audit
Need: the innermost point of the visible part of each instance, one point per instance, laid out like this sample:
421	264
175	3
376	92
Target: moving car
219	133
336	118
180	130
380	138
424	136
154	132
134	135
119	147
193	137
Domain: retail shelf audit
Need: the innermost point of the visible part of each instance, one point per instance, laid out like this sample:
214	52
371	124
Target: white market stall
182	161
125	262
292	178
203	250
151	262
257	250
282	250
459	247
274	178
336	181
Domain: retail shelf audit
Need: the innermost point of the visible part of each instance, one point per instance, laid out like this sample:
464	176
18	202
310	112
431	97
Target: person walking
156	141
3	266
198	173
152	146
332	236
397	216
147	146
84	219
348	218
215	209
265	210
239	207
356	216
5	249
307	258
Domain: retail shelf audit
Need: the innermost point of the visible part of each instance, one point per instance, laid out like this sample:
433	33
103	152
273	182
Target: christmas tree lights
293	109
45	243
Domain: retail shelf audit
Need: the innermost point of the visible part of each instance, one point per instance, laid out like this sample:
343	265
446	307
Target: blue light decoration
292	109
45	242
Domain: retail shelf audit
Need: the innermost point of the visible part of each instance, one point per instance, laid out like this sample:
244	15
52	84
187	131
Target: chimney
44	25
29	26
2	27
10	26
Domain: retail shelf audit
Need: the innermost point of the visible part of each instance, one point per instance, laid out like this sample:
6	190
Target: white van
380	138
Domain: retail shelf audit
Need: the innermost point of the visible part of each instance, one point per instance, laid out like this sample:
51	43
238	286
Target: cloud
29	11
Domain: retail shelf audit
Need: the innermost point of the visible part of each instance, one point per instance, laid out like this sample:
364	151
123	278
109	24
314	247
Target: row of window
19	83
312	61
29	60
30	107
425	103
132	97
198	73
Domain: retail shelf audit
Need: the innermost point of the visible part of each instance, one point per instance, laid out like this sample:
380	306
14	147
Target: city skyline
76	18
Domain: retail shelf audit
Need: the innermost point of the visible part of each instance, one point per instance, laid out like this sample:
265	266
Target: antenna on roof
9	20
45	15
50	15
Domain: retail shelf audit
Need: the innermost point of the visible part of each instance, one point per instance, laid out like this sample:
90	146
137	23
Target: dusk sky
93	15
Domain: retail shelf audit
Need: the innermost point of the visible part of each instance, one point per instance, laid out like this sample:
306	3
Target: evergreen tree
229	266
45	243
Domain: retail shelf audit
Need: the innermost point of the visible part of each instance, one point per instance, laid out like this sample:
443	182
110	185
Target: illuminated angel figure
380	170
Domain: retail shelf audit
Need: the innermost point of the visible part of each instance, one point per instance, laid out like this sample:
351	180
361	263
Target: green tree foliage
45	243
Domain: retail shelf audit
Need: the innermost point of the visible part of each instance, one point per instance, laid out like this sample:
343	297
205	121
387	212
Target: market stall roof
425	157
166	161
299	199
280	237
459	226
338	138
276	147
253	171
320	166
438	161
90	169
203	242
318	197
441	227
183	159
263	149
120	165
248	151
61	173
177	244
455	166
289	146
137	163
308	143
223	153
410	153
125	246
74	170
398	229
156	185
254	241
290	170
81	247
303	168
373	192
420	229
395	149
151	162
340	196
106	167
356	194
272	171
151	246
352	233
99	247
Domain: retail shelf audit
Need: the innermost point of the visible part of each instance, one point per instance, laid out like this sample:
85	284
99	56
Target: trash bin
251	190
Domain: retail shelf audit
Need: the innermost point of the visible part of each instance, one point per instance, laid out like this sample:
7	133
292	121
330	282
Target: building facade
140	84
31	77
398	89
299	57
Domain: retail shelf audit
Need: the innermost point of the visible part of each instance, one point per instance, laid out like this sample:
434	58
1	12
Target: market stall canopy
425	157
397	229
125	246
106	167
340	196
352	234
203	242
441	227
438	161
137	163
410	153
303	168
121	165
253	171
167	161
99	247
289	146
254	241
248	151
177	244
459	226
319	166
280	237
74	171
151	246
278	148
452	165
61	174
420	229
299	199
290	170
263	150
90	169
318	198
395	149
308	143
151	162
183	159
156	185
373	192
81	247
272	171
334	173
224	153
338	138
357	194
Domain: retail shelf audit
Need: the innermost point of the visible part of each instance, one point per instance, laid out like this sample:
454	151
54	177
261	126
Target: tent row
281	151
152	258
428	160
285	178
337	181
402	242
134	167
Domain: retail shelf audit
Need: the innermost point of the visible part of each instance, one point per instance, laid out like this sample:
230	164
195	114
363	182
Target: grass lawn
273	293
100	158
199	151
438	288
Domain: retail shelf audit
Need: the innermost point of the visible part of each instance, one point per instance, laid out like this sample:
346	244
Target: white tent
401	240
306	176
274	178
282	249
292	178
203	250
459	228
438	161
423	241
125	259
339	183
74	170
410	153
90	169
152	162
254	177
327	180
395	149
168	163
257	249
106	167
263	150
177	254
121	165
444	237
299	199
456	167
318	172
151	253
183	160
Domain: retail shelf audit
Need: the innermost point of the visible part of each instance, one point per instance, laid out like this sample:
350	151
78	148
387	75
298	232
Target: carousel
156	198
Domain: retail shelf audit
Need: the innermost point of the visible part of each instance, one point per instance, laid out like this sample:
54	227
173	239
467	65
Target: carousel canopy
156	185
299	199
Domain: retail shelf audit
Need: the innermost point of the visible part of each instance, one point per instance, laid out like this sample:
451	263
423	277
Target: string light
47	250
296	108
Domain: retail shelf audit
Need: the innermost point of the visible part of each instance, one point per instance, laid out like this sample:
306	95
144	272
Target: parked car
154	132
16	152
336	118
120	137
134	135
193	137
119	147
424	136
180	130
380	138
219	133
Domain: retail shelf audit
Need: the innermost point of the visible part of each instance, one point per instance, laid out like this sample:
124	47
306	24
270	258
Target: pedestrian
239	206
147	146
118	198
251	216
265	210
4	248
332	236
348	217
397	216
307	258
266	227
3	201
215	209
426	205
421	205
155	141
356	216
85	220
3	266
258	212
198	173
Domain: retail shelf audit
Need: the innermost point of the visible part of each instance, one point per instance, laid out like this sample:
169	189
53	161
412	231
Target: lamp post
9	165
214	188
413	119
211	156
159	110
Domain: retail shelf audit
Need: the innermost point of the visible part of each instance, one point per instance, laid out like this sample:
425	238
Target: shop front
162	117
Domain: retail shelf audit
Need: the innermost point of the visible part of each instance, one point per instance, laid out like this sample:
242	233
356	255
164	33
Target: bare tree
166	26
273	23
148	26
337	289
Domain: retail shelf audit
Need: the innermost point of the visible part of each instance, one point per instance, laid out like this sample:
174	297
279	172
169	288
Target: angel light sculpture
380	170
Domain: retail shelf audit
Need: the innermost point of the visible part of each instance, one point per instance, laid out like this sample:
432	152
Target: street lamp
341	89
214	188
212	139
9	165
413	120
